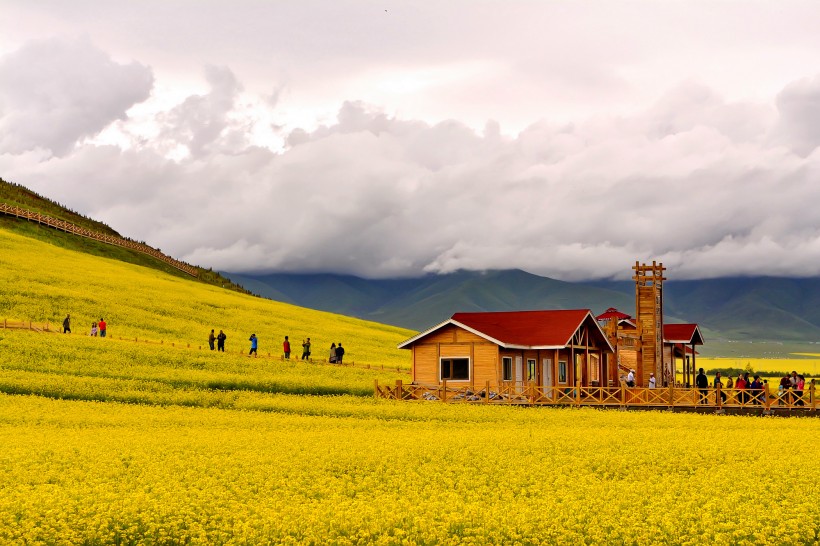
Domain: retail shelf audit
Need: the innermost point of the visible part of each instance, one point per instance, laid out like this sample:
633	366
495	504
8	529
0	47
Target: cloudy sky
393	138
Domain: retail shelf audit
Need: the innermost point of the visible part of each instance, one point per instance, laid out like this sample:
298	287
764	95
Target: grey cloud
201	120
799	108
689	181
54	93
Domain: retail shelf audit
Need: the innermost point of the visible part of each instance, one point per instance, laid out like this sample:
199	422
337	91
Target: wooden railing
671	397
27	325
68	227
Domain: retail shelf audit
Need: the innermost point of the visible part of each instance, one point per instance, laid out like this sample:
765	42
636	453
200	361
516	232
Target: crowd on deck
745	390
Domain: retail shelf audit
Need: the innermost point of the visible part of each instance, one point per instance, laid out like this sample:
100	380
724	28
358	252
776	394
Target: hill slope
42	282
19	196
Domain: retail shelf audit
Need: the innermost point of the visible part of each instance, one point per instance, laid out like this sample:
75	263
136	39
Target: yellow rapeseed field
347	470
108	441
42	283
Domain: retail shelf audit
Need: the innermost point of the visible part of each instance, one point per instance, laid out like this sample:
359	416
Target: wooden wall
486	360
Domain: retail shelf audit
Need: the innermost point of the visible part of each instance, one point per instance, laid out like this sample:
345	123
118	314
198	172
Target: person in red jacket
101	326
286	347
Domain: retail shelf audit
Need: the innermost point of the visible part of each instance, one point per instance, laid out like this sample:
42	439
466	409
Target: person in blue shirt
254	344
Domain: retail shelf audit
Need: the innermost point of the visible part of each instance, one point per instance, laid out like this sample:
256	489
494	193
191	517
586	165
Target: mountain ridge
735	308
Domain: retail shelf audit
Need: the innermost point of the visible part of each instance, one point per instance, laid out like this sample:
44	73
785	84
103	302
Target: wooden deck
714	400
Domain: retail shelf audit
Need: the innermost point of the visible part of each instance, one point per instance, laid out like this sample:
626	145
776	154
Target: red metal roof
682	333
526	328
612	313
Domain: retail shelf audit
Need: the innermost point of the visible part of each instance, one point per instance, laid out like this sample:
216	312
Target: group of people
751	390
97	328
219	339
336	351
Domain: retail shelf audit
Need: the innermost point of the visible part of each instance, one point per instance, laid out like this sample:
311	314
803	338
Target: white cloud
55	93
244	172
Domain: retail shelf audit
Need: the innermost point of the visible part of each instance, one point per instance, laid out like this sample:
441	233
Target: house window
506	369
562	371
457	369
530	369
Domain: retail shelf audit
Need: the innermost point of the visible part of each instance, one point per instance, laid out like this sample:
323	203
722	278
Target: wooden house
544	348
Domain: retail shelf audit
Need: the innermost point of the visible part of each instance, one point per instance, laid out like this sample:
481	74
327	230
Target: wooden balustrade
68	227
628	397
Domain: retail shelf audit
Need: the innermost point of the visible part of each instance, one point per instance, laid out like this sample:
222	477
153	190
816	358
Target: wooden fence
716	399
68	227
28	325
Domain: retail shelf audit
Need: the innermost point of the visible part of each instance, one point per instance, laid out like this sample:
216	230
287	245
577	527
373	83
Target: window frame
441	361
562	371
504	375
532	369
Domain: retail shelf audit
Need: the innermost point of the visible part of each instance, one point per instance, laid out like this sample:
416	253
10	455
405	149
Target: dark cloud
55	93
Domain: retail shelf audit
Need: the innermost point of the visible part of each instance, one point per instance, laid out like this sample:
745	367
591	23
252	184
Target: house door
519	373
546	376
580	375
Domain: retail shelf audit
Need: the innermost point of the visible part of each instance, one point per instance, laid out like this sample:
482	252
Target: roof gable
682	333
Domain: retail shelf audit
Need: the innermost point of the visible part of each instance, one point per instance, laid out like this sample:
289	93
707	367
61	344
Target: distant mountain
759	308
421	302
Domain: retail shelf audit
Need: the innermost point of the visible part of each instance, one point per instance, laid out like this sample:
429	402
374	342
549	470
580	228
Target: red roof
682	333
612	313
521	329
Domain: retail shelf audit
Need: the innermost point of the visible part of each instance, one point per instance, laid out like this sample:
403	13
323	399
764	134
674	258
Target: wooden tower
649	317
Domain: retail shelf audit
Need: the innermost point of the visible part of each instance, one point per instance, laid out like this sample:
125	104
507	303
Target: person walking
286	348
102	327
798	390
67	324
652	381
211	339
220	341
254	344
702	383
306	349
718	384
756	391
340	353
630	378
741	385
332	357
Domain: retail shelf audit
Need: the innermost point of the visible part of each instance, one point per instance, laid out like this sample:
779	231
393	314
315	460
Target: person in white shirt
630	378
651	380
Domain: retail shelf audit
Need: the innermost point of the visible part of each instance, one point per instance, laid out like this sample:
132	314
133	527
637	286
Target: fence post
671	395
623	394
766	396
444	392
813	397
487	392
398	389
577	393
718	397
